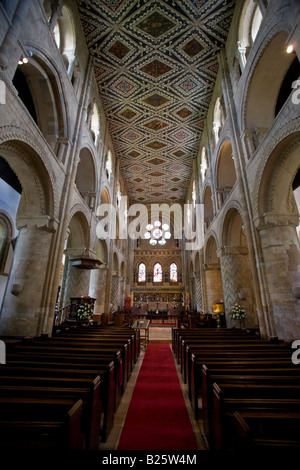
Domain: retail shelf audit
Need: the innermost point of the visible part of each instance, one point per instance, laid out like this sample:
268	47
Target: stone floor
156	334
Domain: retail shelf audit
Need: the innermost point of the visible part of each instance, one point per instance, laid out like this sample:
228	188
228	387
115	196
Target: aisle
157	417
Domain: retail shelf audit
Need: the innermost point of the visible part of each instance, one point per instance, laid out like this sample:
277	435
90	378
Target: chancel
149	180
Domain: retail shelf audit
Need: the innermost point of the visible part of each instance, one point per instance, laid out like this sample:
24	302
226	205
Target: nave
158	335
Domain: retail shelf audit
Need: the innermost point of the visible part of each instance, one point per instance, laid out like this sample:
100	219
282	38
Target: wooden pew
188	348
103	343
231	398
257	357
43	423
87	388
275	376
76	353
266	430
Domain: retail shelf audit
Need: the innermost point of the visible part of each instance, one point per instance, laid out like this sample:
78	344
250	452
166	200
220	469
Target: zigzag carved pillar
198	291
237	283
213	285
114	292
98	288
281	262
76	282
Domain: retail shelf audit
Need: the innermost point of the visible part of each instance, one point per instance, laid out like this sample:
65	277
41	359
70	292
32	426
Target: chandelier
157	233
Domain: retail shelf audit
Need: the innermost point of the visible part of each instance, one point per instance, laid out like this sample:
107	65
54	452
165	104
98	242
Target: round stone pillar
22	310
281	264
98	288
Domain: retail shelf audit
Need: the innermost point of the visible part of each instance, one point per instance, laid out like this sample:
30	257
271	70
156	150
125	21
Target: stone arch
104	196
79	233
235	267
37	198
208	207
65	37
250	21
35	220
213	289
225	173
116	265
265	82
7	233
86	179
218	119
278	217
37	83
102	252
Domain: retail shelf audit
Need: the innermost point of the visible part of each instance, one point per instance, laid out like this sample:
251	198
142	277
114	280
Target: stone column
22	310
198	291
11	39
237	283
76	280
281	264
114	292
98	288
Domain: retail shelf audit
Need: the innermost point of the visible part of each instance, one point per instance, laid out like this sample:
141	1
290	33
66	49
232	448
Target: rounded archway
226	175
277	221
212	274
86	177
264	88
208	207
235	267
29	185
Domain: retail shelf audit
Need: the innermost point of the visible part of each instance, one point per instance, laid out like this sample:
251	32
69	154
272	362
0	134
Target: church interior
149	205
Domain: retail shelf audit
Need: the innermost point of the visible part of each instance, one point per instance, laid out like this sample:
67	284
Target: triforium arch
276	222
24	310
235	268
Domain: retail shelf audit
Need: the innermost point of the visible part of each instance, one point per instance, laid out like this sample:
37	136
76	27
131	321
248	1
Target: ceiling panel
155	66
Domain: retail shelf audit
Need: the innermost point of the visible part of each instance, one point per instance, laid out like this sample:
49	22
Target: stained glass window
157	273
173	272
142	273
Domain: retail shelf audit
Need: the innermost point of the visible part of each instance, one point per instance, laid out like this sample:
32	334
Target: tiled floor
156	334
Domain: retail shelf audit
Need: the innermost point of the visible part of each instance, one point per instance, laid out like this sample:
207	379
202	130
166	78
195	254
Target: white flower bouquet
238	312
85	312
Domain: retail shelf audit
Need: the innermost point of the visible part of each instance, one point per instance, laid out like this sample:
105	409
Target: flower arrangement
238	312
85	312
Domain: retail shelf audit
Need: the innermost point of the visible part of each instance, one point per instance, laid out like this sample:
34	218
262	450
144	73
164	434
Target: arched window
203	165
95	122
173	272
65	38
108	165
251	19
142	273
157	273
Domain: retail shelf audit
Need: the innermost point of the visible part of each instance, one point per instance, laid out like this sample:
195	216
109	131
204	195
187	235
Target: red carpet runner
157	418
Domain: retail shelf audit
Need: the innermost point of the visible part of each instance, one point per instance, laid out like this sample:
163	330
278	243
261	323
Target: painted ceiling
155	66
